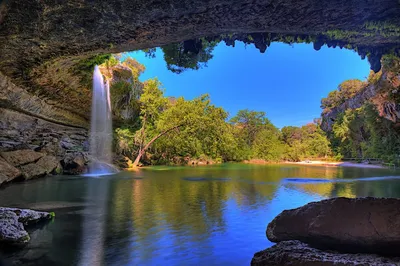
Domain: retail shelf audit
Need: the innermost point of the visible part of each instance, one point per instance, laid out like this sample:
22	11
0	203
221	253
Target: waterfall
100	127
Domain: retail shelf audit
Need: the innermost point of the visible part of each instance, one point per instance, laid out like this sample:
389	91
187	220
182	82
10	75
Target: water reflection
94	222
181	216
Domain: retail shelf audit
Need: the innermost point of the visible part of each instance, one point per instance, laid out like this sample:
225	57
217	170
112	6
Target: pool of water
213	215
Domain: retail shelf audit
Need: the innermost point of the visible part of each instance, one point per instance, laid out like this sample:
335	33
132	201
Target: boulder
53	148
49	164
31	171
12	223
21	157
366	225
7	172
46	165
27	216
296	253
11	230
75	163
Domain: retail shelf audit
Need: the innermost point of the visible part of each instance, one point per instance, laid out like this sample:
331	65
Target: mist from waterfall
100	127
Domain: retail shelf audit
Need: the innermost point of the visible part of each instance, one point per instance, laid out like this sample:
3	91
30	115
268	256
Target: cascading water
100	127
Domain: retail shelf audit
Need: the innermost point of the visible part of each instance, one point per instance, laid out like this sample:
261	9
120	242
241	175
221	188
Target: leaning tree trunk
143	150
137	160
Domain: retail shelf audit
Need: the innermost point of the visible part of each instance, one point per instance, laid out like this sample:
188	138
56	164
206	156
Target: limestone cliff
41	42
384	94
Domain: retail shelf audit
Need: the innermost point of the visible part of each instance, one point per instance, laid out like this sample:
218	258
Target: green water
214	215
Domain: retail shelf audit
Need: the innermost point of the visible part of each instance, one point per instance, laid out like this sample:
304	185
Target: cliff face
19	99
384	94
41	42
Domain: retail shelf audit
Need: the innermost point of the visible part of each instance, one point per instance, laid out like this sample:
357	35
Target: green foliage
350	88
267	145
181	128
373	77
305	142
180	57
362	133
150	52
371	28
334	99
250	123
391	62
384	28
346	90
341	34
176	130
136	68
257	137
124	138
88	63
84	68
125	88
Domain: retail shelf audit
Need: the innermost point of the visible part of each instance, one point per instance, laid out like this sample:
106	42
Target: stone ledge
13	220
296	253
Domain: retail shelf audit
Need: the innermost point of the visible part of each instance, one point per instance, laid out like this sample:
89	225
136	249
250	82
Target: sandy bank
345	164
319	163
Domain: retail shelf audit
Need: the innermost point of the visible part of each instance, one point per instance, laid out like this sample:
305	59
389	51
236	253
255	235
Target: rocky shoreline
20	165
32	147
338	231
13	222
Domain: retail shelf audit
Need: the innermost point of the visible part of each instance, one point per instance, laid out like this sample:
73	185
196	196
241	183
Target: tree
267	145
152	104
160	116
350	88
207	136
125	87
291	134
249	124
334	99
308	141
362	133
191	54
346	90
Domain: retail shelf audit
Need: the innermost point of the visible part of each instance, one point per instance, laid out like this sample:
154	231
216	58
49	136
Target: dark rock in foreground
12	221
361	225
296	253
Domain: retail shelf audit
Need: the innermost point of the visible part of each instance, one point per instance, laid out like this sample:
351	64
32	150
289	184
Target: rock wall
18	98
40	39
20	130
32	147
382	94
48	137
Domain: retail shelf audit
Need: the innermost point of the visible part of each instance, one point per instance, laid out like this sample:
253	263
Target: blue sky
287	82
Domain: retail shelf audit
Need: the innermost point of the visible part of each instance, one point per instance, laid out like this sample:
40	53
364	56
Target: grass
341	34
384	28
